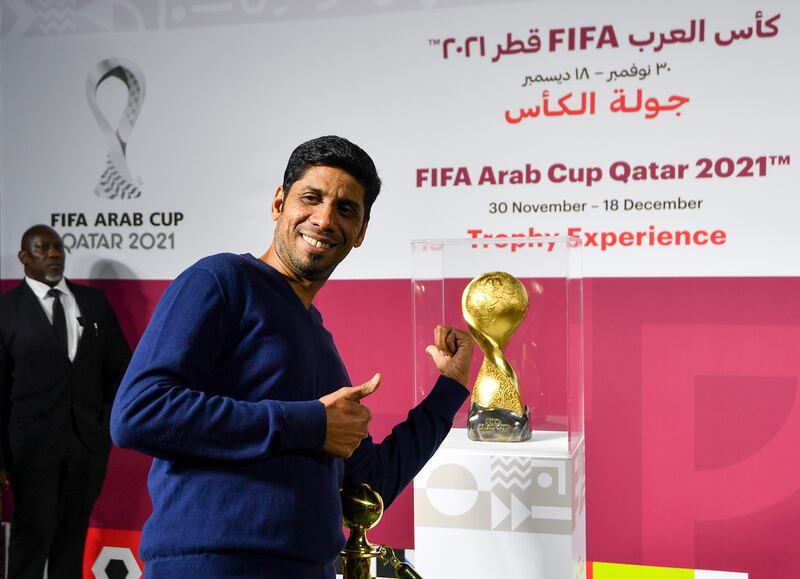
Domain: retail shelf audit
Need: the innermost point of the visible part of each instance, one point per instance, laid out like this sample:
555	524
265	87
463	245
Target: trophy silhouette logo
493	305
117	182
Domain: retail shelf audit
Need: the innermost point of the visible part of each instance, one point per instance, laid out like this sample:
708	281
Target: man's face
43	256
319	222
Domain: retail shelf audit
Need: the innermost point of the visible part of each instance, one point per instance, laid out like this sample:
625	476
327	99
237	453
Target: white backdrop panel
229	93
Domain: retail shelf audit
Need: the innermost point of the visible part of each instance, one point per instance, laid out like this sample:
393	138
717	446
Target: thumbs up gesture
348	421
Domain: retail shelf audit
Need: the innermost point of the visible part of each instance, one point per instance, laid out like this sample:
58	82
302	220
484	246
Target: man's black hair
333	151
33	230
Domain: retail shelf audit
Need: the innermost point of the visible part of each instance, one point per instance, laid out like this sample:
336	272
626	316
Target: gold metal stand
362	508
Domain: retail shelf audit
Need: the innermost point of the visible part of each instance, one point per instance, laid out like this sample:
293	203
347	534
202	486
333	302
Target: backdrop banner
661	135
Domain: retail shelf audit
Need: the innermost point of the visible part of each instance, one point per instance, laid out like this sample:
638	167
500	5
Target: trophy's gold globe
497	303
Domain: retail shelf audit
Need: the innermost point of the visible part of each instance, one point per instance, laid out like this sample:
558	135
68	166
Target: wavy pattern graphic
511	472
55	17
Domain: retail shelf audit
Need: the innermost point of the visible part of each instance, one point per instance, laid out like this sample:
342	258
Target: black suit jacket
41	389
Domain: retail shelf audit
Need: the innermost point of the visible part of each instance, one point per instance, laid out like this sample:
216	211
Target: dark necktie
59	319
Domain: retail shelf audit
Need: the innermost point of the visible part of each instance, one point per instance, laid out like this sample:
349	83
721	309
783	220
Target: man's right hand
348	421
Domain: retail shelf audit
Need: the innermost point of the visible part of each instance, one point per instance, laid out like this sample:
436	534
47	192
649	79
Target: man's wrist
304	424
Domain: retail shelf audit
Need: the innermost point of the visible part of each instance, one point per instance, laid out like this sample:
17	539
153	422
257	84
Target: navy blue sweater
223	391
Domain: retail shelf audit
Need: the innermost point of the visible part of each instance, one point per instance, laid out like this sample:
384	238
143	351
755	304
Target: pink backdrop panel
692	422
691	414
727	397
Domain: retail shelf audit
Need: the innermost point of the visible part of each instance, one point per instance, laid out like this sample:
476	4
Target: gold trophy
494	304
362	508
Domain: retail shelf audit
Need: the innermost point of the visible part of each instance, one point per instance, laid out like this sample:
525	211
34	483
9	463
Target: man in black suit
62	356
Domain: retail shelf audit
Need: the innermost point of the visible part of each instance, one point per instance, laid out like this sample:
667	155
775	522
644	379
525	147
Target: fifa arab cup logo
117	182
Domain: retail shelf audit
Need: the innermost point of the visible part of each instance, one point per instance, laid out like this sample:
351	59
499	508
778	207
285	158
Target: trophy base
497	424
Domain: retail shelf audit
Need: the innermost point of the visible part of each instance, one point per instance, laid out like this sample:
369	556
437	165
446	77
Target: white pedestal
505	510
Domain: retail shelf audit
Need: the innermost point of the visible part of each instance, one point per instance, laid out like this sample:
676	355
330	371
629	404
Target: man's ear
22	256
361	234
277	204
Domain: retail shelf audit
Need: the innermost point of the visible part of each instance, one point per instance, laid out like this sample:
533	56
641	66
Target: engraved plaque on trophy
493	305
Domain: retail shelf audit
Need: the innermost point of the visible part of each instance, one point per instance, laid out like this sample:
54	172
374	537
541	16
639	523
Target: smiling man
238	392
62	356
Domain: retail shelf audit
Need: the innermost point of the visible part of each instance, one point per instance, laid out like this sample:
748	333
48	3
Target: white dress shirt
71	311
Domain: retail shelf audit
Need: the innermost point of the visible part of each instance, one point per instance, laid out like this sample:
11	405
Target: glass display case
504	507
